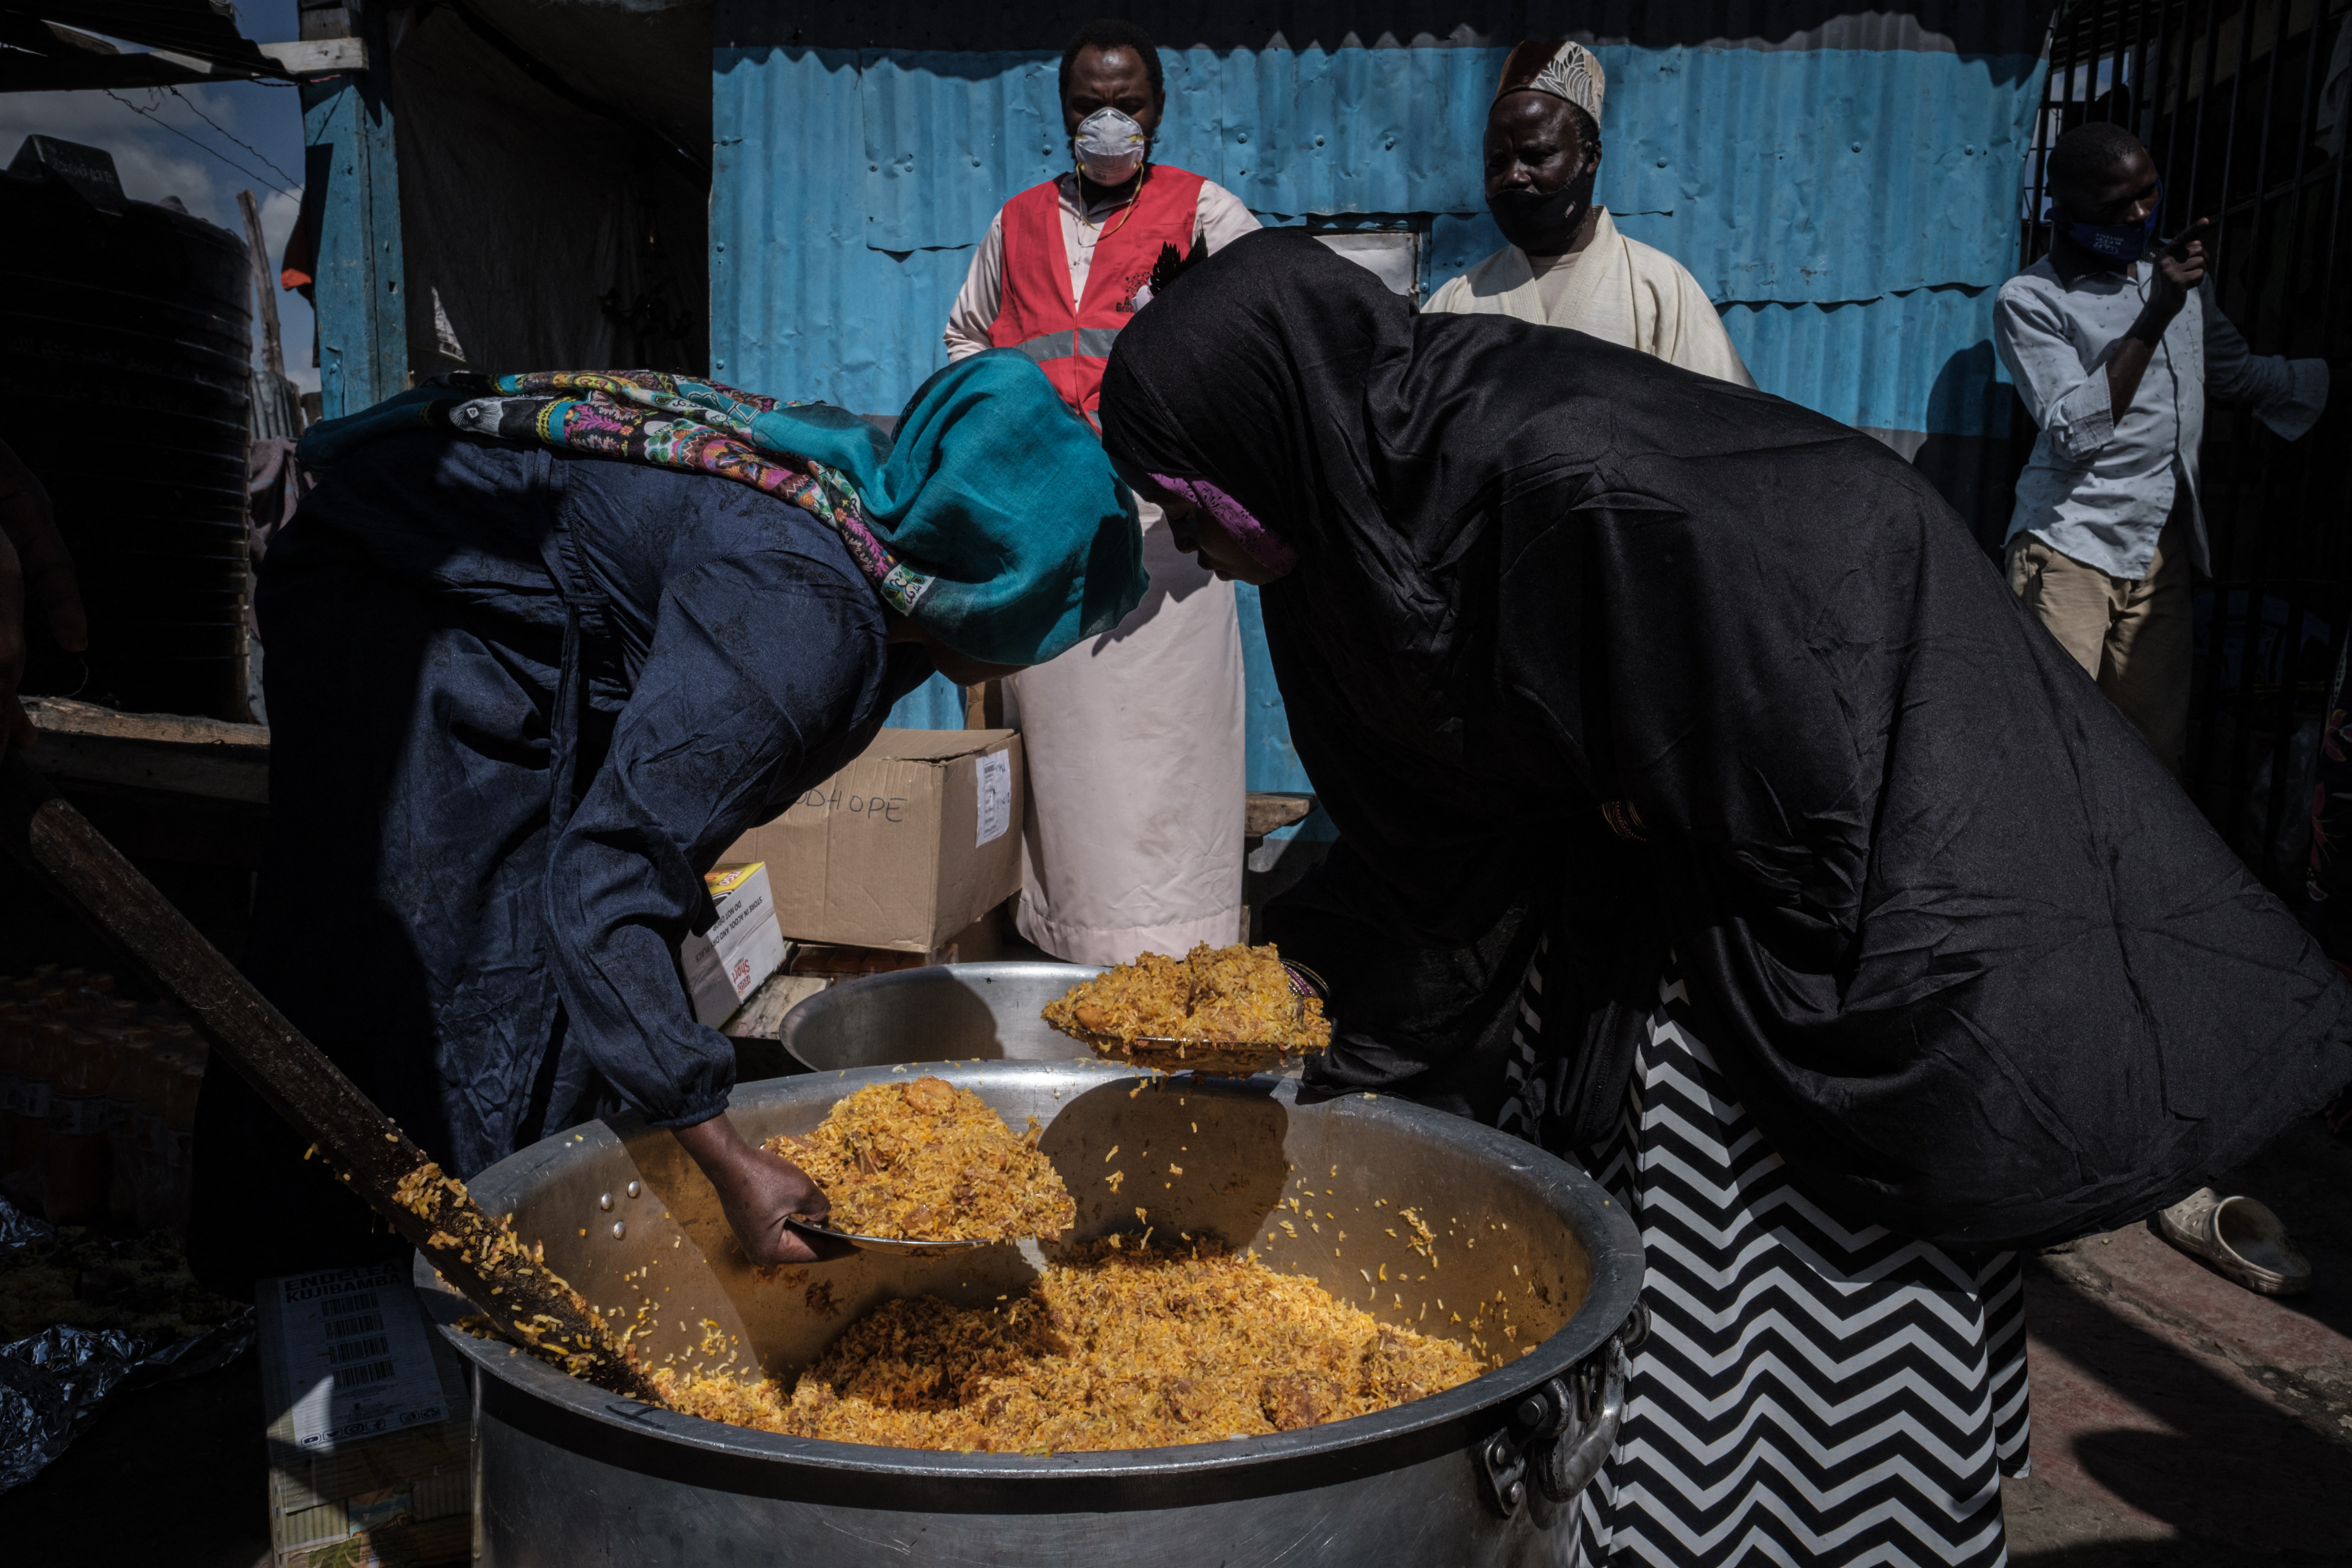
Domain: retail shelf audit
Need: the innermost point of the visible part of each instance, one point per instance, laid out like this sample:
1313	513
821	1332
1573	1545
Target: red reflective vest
1071	340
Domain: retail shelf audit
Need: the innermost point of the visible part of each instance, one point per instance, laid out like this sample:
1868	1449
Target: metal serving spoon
897	1246
1208	1058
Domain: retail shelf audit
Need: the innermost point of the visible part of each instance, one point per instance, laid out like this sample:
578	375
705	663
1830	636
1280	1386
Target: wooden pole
264	287
984	706
479	1257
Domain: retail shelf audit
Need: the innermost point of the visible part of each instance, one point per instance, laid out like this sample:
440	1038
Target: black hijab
1981	970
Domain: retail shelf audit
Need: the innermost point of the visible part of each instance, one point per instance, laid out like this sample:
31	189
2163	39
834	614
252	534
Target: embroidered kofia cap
1560	67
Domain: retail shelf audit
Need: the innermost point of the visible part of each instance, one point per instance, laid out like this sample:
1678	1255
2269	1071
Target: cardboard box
371	1433
742	949
904	847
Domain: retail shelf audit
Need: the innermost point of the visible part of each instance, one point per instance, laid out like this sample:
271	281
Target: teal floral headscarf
992	519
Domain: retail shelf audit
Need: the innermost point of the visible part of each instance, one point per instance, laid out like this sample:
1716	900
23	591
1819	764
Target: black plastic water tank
128	333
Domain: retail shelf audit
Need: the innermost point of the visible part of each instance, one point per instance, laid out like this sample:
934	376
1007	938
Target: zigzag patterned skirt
1810	1392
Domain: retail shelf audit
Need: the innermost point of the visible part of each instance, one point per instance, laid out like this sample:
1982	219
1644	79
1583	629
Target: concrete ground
176	1474
2179	1421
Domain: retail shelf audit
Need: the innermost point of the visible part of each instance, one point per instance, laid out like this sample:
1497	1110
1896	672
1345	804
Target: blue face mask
2112	241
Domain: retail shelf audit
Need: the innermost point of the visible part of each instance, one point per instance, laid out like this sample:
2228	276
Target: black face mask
1534	221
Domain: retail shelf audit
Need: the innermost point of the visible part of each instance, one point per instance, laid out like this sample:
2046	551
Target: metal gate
2242	104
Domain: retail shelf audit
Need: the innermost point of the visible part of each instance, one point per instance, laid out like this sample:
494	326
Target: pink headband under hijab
1259	542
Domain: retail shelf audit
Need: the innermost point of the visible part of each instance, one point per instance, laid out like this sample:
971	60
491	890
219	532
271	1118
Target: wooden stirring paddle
478	1256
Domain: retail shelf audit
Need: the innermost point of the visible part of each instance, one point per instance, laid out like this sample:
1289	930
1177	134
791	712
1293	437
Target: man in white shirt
1133	839
2113	346
1567	266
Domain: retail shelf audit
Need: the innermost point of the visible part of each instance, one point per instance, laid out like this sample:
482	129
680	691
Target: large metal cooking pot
940	1013
1484	1474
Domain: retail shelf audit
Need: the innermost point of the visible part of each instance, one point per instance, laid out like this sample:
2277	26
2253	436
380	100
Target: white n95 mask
1110	147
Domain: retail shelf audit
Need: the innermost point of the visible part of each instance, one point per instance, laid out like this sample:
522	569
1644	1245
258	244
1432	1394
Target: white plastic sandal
2240	1237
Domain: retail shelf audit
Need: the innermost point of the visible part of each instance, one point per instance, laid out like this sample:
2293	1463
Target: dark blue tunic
520	701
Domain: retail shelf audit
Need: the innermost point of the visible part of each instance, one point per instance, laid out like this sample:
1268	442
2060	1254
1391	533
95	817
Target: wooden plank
169	754
64	716
265	280
360	290
359	1143
319	57
82	759
984	706
1269	809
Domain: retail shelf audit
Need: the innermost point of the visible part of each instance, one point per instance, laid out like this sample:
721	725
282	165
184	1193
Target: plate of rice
922	1167
1225	1012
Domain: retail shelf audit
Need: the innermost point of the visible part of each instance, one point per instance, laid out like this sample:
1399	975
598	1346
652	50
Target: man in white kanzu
1133	838
1566	265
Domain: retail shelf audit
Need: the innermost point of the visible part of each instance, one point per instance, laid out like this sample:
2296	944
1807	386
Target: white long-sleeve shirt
2097	489
1616	288
1219	219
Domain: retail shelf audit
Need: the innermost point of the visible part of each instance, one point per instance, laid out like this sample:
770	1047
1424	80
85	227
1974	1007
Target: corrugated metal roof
1957	26
1917	361
851	186
936	704
1826	174
799	305
1856	207
1748	163
1271	761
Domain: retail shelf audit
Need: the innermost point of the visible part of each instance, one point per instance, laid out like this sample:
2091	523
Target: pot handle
1595	1405
1562	1433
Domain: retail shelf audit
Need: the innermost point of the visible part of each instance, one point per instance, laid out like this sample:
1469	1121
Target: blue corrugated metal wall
1850	209
361	314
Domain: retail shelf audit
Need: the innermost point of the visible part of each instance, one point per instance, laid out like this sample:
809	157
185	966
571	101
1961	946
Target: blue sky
171	149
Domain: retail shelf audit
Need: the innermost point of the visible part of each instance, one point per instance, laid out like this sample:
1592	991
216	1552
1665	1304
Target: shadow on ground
2173	1554
175	1474
2180	1421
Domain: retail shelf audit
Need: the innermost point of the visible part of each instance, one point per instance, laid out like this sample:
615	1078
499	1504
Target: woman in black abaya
1710	813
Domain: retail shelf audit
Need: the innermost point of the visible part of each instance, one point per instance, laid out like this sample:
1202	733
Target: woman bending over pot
1711	813
541	647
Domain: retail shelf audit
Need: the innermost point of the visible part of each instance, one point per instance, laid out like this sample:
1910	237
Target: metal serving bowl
1483	1474
944	1013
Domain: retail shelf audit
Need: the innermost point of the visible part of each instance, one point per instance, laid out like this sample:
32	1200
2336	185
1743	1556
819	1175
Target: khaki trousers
2131	635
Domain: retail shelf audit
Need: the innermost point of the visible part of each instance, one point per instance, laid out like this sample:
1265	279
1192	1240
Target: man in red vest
1133	840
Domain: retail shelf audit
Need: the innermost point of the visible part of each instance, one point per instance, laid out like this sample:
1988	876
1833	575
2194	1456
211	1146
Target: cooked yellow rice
1117	1347
1226	995
925	1161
